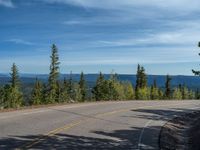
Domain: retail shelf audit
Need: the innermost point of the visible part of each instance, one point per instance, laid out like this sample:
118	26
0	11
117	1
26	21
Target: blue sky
101	35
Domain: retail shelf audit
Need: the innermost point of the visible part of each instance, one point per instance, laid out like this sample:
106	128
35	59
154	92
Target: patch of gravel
181	133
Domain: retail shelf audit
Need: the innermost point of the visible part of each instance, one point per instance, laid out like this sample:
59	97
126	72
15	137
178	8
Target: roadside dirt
181	133
194	133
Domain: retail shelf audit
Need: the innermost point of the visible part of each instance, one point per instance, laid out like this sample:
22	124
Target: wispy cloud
121	4
73	22
109	19
7	3
167	39
126	61
101	32
20	41
181	37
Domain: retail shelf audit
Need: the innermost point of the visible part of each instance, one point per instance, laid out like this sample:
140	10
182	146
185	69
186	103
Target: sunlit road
106	125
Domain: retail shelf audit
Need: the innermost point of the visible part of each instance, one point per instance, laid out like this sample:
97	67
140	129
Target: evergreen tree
58	92
138	78
54	75
185	93
65	83
77	93
114	89
154	91
15	83
64	91
168	87
118	91
6	92
83	89
129	91
45	92
191	94
14	97
144	93
2	104
177	94
161	94
141	82
98	90
70	88
37	95
197	73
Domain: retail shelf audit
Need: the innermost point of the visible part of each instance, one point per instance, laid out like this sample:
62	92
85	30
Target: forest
69	91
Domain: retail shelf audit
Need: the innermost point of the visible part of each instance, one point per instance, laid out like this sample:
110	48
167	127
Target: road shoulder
181	132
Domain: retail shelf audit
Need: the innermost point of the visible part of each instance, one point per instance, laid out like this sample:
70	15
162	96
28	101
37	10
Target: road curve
105	125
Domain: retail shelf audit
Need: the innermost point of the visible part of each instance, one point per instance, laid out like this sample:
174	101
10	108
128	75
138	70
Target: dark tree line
68	91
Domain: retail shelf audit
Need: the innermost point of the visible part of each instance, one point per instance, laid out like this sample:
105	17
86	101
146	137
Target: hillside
191	81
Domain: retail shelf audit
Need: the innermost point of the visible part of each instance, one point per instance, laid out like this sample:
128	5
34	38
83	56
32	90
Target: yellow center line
52	133
71	125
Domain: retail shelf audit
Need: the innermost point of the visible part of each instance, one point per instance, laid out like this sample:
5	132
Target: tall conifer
15	96
37	95
71	88
82	85
54	75
197	73
168	87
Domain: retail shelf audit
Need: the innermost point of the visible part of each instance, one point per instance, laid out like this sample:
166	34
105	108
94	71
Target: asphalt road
120	125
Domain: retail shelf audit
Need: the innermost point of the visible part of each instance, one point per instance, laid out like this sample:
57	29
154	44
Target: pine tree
15	83
45	92
114	88
141	81
54	75
98	90
177	94
129	91
2	103
197	73
14	97
137	78
64	91
154	91
117	91
37	95
6	92
185	93
65	83
70	88
161	94
58	92
191	94
168	87
82	85
144	93
77	93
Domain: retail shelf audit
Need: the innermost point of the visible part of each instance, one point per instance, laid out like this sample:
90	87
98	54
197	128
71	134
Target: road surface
104	126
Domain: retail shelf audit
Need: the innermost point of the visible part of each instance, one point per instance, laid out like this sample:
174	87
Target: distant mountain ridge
190	81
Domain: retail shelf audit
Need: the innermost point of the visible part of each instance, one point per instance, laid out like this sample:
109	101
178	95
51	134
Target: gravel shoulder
182	132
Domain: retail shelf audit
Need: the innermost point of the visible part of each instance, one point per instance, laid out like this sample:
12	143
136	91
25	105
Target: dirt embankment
181	133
